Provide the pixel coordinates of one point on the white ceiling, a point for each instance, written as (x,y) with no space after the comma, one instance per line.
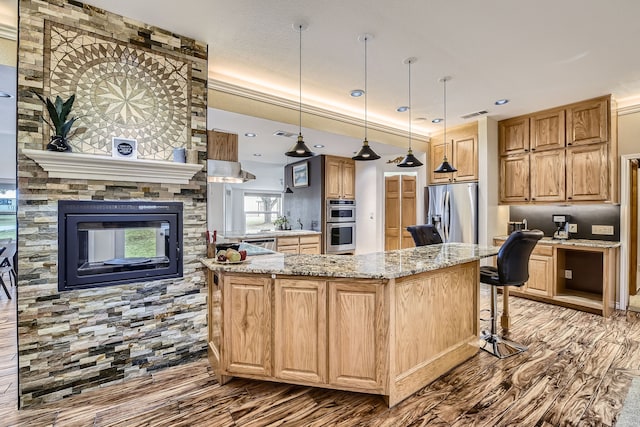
(538,54)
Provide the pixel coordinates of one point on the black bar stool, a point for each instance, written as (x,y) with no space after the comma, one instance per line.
(424,234)
(512,270)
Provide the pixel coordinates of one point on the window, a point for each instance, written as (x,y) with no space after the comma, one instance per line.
(260,210)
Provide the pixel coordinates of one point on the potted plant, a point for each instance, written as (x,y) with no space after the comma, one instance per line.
(58,113)
(281,222)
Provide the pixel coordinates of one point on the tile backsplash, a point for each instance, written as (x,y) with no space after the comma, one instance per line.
(585,216)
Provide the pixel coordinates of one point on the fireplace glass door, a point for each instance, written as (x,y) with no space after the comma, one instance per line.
(119,246)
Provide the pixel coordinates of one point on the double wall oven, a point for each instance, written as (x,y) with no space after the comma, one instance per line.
(340,226)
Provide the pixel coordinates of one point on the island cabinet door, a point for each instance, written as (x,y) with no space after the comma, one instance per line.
(356,335)
(247,325)
(300,350)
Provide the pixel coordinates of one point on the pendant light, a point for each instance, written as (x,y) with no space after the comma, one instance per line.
(445,167)
(365,153)
(410,161)
(299,149)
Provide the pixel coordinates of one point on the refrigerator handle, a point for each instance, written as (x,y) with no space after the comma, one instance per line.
(447,209)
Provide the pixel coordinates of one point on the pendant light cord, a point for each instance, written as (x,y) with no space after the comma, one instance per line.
(444,81)
(410,105)
(300,81)
(365,87)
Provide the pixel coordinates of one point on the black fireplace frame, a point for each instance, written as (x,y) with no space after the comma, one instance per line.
(73,212)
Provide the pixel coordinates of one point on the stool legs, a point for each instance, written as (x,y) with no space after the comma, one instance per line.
(491,341)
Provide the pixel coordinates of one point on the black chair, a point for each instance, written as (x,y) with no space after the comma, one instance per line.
(424,234)
(512,270)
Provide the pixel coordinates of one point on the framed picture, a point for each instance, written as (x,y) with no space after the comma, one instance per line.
(301,175)
(124,148)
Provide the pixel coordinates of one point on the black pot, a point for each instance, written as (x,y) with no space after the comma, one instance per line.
(225,246)
(58,143)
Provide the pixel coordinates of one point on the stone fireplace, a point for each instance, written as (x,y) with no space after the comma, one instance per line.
(80,338)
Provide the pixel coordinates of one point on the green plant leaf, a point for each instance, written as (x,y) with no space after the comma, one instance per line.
(64,130)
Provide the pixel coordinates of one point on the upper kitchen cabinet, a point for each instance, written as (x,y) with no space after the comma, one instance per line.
(547,130)
(588,122)
(340,178)
(462,153)
(514,136)
(569,154)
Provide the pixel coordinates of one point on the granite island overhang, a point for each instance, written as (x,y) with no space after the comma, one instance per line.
(385,323)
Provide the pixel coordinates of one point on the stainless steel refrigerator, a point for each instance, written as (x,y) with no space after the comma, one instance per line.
(453,210)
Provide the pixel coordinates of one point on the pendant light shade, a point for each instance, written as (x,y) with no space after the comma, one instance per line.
(299,149)
(445,166)
(410,161)
(366,152)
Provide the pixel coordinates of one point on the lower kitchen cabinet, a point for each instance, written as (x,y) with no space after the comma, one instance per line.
(300,310)
(540,272)
(247,314)
(303,244)
(580,275)
(354,335)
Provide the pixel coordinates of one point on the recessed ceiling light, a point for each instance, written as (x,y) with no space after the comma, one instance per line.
(501,101)
(420,119)
(357,93)
(438,120)
(257,155)
(318,146)
(4,94)
(250,134)
(402,109)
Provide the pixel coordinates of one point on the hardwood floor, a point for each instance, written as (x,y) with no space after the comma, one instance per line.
(577,371)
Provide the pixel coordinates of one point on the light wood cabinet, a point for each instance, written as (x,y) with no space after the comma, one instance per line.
(579,277)
(340,178)
(588,122)
(247,316)
(513,136)
(514,182)
(546,173)
(547,130)
(540,272)
(303,244)
(400,211)
(568,156)
(355,356)
(587,169)
(462,153)
(300,330)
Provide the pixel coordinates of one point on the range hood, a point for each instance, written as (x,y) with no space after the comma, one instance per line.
(227,172)
(222,162)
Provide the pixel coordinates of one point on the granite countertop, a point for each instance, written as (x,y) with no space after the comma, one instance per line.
(588,243)
(378,265)
(267,234)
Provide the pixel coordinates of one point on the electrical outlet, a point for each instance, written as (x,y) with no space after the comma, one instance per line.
(573,228)
(606,230)
(568,274)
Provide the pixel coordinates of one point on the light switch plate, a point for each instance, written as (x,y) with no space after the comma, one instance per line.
(573,228)
(606,230)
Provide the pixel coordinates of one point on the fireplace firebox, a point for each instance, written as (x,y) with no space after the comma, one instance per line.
(103,243)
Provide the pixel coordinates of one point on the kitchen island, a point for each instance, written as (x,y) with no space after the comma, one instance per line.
(386,323)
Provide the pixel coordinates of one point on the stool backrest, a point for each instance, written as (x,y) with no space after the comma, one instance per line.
(513,257)
(424,234)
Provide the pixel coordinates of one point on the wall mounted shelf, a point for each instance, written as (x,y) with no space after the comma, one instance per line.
(94,167)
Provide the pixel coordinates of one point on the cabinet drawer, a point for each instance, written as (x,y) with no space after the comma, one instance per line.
(544,250)
(309,240)
(285,241)
(288,249)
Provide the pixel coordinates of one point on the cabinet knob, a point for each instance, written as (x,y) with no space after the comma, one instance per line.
(526,150)
(569,197)
(569,143)
(533,198)
(533,149)
(526,198)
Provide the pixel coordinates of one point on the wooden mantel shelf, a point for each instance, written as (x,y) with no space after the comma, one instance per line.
(95,167)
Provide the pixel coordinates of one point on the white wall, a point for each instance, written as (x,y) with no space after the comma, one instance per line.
(492,218)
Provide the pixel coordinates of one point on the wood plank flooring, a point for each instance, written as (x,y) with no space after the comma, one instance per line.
(576,372)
